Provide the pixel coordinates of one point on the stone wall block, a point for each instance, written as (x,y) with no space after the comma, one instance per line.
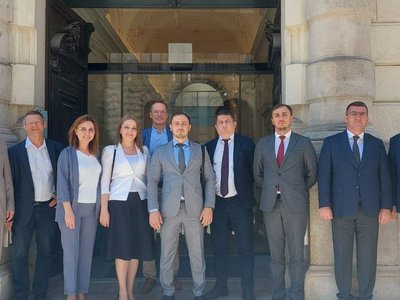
(5,82)
(388,10)
(387,83)
(385,43)
(345,77)
(6,8)
(363,7)
(4,43)
(23,84)
(23,45)
(24,12)
(339,35)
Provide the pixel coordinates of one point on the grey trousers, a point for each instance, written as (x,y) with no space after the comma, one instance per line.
(78,249)
(286,227)
(365,230)
(194,235)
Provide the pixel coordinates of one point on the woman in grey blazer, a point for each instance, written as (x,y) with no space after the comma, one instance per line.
(124,205)
(78,195)
(6,193)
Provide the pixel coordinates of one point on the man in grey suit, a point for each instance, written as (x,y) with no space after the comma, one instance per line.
(285,166)
(180,164)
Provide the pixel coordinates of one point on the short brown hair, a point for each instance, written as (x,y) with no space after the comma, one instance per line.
(138,139)
(282,105)
(73,139)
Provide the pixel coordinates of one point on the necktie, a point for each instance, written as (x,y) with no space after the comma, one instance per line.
(225,169)
(281,151)
(356,150)
(181,158)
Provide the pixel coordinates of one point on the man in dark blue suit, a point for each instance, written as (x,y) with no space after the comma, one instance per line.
(33,165)
(394,159)
(355,193)
(232,158)
(156,135)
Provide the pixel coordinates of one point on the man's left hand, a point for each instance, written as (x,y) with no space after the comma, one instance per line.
(206,216)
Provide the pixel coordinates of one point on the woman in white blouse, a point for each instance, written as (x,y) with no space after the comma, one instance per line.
(124,205)
(78,198)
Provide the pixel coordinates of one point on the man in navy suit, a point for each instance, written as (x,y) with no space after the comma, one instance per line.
(394,159)
(355,193)
(33,165)
(156,135)
(233,204)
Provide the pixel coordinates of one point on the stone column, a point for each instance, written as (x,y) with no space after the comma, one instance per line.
(340,70)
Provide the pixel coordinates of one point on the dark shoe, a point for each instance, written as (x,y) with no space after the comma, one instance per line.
(148,285)
(177,284)
(202,297)
(165,297)
(216,292)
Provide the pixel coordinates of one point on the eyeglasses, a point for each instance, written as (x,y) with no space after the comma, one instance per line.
(31,123)
(226,122)
(357,114)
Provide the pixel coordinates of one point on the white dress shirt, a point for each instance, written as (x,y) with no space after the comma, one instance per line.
(41,170)
(89,173)
(360,142)
(285,142)
(219,151)
(119,186)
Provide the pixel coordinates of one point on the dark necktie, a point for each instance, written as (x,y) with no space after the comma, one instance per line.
(225,169)
(181,158)
(356,150)
(281,151)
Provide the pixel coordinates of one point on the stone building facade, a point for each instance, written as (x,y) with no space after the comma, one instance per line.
(333,52)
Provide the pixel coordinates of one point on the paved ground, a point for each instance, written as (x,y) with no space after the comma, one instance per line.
(108,289)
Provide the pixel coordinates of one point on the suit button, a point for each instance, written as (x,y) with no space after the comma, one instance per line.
(279,174)
(357,187)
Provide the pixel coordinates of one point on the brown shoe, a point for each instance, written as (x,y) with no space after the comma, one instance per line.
(177,284)
(148,285)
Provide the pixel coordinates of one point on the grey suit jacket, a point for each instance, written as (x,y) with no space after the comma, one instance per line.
(163,165)
(297,174)
(6,186)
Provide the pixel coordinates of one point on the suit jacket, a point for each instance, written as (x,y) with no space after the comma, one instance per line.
(394,159)
(24,194)
(6,186)
(297,174)
(341,182)
(243,154)
(146,135)
(163,165)
(68,183)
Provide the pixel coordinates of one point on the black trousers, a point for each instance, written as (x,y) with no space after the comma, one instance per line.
(43,222)
(230,214)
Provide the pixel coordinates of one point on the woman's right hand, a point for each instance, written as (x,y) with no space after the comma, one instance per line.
(105,217)
(70,219)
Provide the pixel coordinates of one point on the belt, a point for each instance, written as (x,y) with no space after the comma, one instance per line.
(278,196)
(227,199)
(36,203)
(182,201)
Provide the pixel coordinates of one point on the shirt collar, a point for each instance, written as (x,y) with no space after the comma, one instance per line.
(29,144)
(164,130)
(186,143)
(231,139)
(287,135)
(350,135)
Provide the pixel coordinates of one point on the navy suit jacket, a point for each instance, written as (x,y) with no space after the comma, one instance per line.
(341,181)
(243,153)
(146,135)
(24,193)
(394,159)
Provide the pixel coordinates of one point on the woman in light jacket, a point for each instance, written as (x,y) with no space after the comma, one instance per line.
(124,205)
(78,204)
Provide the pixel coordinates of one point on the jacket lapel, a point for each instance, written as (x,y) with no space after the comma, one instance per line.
(345,144)
(237,144)
(171,156)
(25,162)
(367,149)
(292,143)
